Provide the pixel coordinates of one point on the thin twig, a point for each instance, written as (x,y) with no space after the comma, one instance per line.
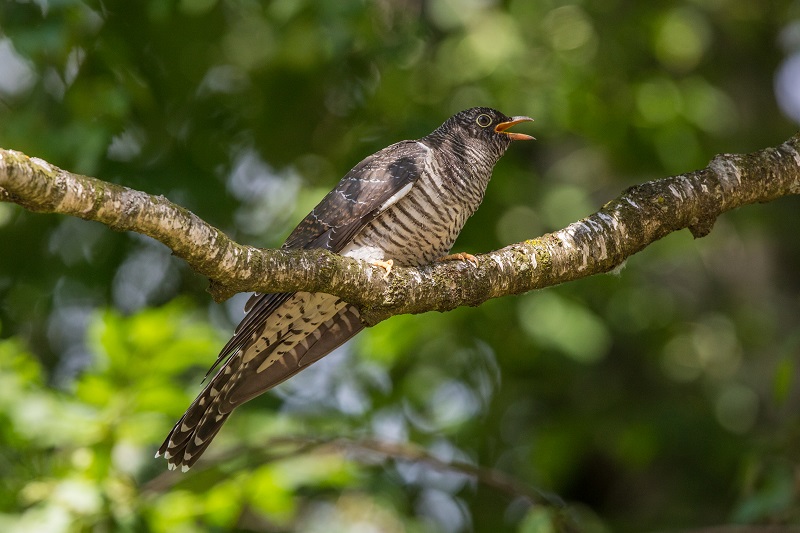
(364,450)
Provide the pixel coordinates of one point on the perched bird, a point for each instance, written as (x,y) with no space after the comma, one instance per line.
(404,205)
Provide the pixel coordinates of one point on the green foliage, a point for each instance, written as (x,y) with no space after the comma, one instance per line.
(83,458)
(79,452)
(661,398)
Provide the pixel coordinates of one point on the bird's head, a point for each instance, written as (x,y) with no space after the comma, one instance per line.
(483,124)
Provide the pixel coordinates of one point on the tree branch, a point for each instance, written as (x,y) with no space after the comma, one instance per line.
(370,451)
(598,243)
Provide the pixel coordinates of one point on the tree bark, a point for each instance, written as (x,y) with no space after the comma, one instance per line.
(598,243)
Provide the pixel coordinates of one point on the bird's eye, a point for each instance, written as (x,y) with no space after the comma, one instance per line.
(483,120)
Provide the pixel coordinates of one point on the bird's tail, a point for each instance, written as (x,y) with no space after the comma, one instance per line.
(195,430)
(265,361)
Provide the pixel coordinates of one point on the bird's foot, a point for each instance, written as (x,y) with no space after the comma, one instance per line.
(386,265)
(461,256)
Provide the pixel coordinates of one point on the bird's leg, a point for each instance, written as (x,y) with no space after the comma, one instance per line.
(460,256)
(386,265)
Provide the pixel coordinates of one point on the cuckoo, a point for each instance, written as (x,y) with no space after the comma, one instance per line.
(404,205)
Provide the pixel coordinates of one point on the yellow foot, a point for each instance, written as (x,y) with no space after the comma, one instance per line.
(386,265)
(461,256)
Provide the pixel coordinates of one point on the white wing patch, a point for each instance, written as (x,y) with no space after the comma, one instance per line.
(404,191)
(393,199)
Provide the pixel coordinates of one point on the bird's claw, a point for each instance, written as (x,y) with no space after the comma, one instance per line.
(461,256)
(386,265)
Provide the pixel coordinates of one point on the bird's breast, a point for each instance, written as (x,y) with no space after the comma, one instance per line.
(422,226)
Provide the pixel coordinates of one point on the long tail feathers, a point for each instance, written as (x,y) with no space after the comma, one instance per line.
(286,344)
(192,434)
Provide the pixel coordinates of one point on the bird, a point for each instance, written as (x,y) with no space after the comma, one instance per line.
(403,205)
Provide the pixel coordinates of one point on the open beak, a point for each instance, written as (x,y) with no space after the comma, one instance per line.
(503,126)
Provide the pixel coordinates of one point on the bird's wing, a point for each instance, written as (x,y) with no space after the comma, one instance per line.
(365,192)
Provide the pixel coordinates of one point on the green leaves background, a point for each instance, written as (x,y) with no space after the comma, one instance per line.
(662,398)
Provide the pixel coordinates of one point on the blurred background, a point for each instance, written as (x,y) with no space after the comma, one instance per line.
(664,398)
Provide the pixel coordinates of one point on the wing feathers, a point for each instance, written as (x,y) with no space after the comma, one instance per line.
(360,196)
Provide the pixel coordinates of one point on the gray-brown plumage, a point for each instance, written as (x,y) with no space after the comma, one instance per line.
(407,204)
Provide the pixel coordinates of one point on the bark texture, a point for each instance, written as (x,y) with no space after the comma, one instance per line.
(598,243)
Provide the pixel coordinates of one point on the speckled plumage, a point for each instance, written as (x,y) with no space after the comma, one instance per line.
(406,203)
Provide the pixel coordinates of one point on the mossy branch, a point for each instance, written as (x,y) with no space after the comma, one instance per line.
(596,244)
